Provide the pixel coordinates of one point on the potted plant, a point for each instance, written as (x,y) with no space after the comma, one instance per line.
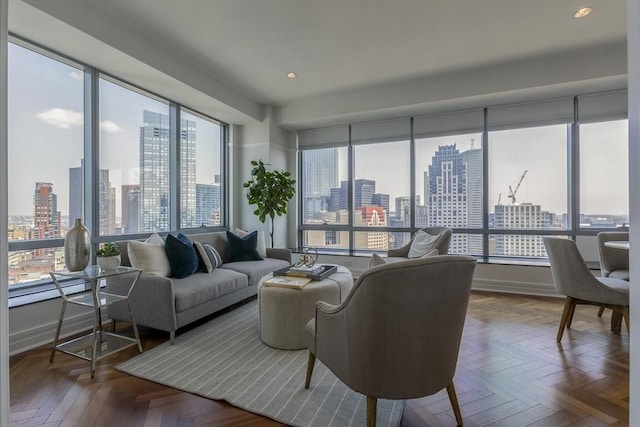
(270,191)
(108,256)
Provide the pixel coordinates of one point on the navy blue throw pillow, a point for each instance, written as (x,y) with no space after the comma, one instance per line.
(182,256)
(242,248)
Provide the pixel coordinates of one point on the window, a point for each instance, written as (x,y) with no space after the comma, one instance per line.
(200,167)
(528,178)
(501,177)
(325,197)
(138,172)
(604,184)
(45,135)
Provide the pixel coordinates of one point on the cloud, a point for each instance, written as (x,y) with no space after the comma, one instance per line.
(109,126)
(59,117)
(77,75)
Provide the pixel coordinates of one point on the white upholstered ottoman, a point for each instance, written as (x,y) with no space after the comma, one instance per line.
(284,312)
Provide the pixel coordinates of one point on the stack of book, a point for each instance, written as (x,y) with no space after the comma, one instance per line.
(287,282)
(317,272)
(304,271)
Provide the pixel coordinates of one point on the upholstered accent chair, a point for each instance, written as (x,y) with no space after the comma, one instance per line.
(397,335)
(442,241)
(572,278)
(613,262)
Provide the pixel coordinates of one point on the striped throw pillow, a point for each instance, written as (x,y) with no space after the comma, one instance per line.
(209,257)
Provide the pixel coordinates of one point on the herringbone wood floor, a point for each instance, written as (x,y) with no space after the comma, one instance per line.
(510,372)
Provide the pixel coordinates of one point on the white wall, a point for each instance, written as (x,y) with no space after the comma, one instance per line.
(4,272)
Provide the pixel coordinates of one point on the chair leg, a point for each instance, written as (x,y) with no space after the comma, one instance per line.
(625,316)
(601,311)
(310,362)
(372,404)
(453,397)
(616,321)
(568,304)
(571,313)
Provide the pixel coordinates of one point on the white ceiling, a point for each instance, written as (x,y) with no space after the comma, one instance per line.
(335,46)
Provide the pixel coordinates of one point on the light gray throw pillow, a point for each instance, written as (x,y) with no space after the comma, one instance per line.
(422,244)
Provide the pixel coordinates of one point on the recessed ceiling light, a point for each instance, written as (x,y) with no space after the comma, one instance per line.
(581,13)
(291,75)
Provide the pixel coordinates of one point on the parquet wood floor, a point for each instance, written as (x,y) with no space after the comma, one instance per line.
(510,373)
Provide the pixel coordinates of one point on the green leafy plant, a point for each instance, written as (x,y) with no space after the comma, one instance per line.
(108,249)
(270,191)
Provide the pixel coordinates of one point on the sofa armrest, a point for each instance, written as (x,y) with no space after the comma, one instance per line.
(152,301)
(279,253)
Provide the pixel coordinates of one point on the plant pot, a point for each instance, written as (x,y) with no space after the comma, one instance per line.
(108,262)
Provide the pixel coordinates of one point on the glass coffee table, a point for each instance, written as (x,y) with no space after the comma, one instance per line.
(98,343)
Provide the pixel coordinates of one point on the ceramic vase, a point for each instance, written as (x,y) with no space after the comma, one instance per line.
(77,247)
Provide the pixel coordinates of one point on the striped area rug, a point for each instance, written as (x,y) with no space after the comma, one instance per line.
(224,359)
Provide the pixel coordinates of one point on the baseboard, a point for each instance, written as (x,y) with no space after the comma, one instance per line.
(505,286)
(511,287)
(29,339)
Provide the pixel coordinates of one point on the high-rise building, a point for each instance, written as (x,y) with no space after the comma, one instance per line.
(46,216)
(207,204)
(153,213)
(363,190)
(188,202)
(520,216)
(474,187)
(320,177)
(380,199)
(155,143)
(106,211)
(371,216)
(450,180)
(403,208)
(130,201)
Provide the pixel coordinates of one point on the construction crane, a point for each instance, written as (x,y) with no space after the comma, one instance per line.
(512,193)
(499,198)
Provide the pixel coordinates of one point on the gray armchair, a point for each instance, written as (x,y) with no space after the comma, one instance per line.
(442,245)
(572,278)
(387,339)
(613,262)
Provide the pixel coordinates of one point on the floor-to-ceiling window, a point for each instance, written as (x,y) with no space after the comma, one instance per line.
(501,177)
(87,145)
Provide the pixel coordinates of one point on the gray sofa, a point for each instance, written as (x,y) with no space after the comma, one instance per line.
(167,303)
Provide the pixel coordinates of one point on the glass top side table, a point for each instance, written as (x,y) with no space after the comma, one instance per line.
(98,343)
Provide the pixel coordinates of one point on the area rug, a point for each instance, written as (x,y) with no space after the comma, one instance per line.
(224,359)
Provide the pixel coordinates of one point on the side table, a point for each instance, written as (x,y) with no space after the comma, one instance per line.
(98,343)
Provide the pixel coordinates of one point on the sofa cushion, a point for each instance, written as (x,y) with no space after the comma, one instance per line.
(242,248)
(200,288)
(183,258)
(261,246)
(255,270)
(149,256)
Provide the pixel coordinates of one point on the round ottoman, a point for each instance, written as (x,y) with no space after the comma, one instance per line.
(284,312)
